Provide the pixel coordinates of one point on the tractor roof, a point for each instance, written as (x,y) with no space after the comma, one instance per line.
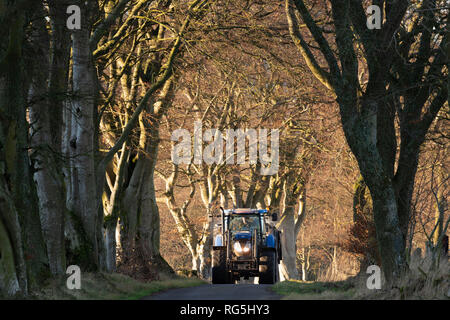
(245,211)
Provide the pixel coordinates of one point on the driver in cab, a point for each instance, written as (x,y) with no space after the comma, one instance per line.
(245,223)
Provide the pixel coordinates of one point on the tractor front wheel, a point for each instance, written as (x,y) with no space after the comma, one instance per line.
(220,273)
(268,267)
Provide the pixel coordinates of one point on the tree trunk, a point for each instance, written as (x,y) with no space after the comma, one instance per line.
(149,222)
(361,134)
(49,189)
(288,266)
(16,156)
(84,198)
(305,255)
(13,272)
(140,214)
(130,208)
(294,194)
(363,229)
(204,249)
(46,120)
(9,285)
(112,207)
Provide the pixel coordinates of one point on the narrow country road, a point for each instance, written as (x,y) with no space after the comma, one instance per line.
(219,292)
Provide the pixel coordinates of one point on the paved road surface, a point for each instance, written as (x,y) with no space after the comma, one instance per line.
(219,292)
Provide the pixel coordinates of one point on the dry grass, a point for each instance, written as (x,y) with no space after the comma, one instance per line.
(422,282)
(309,290)
(104,286)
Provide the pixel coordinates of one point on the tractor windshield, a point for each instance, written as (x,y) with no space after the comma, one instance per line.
(244,223)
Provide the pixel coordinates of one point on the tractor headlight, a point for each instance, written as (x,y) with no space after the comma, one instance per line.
(241,248)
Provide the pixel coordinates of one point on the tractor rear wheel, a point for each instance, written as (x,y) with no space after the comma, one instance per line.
(220,273)
(268,267)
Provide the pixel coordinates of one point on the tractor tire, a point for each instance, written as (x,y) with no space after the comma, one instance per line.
(220,274)
(268,267)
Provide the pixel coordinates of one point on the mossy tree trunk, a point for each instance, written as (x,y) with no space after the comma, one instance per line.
(16,144)
(13,271)
(9,284)
(48,91)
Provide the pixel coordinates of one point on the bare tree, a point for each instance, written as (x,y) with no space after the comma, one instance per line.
(368,104)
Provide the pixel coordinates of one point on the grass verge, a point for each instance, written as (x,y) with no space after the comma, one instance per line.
(424,280)
(111,286)
(306,290)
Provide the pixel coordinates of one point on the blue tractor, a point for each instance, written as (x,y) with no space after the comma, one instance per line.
(247,244)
